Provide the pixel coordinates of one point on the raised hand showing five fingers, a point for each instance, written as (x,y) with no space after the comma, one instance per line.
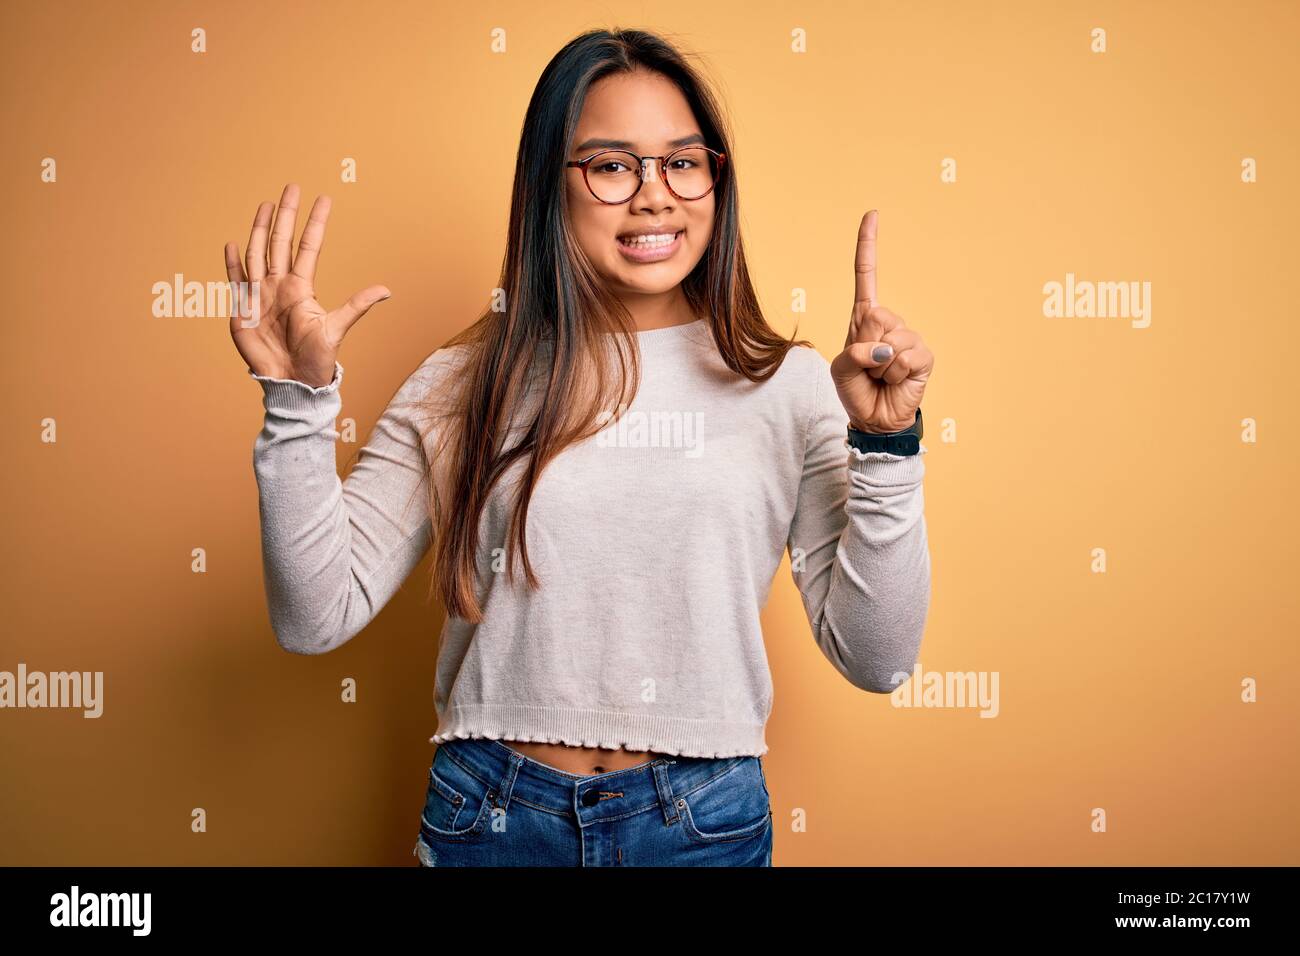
(277,325)
(881,374)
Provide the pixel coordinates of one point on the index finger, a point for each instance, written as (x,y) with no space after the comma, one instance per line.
(864,264)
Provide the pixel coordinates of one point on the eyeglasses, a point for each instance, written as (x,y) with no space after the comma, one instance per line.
(614,176)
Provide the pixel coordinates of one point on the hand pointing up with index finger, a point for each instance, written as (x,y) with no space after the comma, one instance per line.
(864,262)
(881,374)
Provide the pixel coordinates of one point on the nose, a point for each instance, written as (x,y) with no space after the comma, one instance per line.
(653,193)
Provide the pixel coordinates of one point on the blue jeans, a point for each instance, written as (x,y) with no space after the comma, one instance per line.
(489,805)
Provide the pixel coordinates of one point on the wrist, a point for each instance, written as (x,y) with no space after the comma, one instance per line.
(863,427)
(866,429)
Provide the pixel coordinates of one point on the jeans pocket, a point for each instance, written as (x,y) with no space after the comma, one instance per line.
(733,805)
(457,805)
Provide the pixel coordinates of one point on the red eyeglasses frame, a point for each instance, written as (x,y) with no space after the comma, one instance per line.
(663,172)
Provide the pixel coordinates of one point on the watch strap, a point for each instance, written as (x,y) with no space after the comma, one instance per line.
(905,442)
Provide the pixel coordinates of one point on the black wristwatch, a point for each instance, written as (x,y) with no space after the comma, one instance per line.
(906,442)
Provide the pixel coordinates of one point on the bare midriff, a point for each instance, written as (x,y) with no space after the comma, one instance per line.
(584,761)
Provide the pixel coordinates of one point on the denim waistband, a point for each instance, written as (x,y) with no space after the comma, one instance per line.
(510,775)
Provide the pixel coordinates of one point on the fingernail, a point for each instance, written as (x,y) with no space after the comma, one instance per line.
(881,352)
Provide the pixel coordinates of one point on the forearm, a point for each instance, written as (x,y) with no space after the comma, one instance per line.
(868,589)
(333,551)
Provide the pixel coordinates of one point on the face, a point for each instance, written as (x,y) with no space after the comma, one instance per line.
(647,112)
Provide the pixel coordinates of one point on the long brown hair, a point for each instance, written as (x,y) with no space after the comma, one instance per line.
(550,337)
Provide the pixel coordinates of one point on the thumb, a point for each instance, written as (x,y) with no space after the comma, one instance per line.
(848,365)
(871,354)
(346,315)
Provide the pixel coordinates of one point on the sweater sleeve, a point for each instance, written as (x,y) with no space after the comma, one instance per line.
(334,552)
(858,549)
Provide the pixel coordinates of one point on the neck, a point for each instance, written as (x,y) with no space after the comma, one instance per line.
(659,310)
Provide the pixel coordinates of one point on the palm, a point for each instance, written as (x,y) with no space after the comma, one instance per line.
(287,331)
(879,395)
(279,328)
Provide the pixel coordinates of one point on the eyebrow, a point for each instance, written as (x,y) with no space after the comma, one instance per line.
(598,143)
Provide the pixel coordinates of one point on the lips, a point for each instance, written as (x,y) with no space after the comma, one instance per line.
(652,248)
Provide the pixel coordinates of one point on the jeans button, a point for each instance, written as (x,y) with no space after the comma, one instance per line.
(590,798)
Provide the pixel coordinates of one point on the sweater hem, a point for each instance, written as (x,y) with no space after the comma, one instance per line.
(677,736)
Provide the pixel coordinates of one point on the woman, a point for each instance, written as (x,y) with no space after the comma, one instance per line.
(609,464)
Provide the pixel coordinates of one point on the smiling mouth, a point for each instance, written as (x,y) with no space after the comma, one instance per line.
(661,241)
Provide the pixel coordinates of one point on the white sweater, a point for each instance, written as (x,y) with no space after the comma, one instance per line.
(656,543)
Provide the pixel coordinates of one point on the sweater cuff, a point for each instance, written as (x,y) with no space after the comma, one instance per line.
(885,468)
(290,395)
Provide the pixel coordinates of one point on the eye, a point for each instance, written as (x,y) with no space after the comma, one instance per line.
(606,167)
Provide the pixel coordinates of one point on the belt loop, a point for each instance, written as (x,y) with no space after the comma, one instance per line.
(662,784)
(506,785)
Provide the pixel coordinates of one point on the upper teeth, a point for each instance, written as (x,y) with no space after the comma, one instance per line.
(651,240)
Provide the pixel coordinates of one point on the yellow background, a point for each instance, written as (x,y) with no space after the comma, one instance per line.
(1118,690)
